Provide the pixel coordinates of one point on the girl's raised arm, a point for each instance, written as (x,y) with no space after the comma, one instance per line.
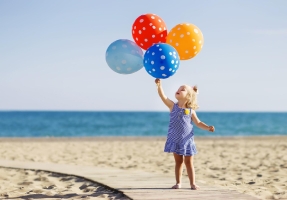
(169,103)
(200,124)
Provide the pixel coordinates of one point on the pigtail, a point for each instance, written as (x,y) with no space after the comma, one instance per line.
(195,89)
(192,102)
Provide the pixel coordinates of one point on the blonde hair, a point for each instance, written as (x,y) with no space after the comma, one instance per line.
(192,98)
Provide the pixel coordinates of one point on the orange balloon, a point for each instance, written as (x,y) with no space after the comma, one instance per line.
(187,39)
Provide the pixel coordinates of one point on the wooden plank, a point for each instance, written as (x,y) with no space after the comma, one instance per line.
(135,184)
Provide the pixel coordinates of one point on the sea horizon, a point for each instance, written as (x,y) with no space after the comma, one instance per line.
(134,123)
(151,111)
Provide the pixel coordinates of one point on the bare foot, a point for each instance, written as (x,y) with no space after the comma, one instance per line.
(194,187)
(176,186)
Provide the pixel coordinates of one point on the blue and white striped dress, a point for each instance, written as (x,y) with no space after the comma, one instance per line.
(180,133)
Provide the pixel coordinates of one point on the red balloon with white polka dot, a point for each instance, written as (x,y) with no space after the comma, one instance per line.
(149,29)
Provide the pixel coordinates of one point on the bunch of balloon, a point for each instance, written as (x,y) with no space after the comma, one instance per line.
(163,50)
(160,59)
(125,56)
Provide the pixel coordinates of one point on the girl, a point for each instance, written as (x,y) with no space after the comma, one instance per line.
(180,139)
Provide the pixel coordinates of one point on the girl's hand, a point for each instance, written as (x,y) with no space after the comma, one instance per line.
(157,81)
(211,128)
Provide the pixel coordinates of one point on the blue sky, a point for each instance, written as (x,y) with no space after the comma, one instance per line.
(52,55)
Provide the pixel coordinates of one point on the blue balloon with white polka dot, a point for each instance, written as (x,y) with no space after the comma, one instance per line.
(124,56)
(161,60)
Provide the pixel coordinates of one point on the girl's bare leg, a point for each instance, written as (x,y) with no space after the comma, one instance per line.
(188,161)
(178,170)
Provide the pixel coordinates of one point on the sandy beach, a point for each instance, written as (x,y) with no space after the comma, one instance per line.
(253,165)
(35,184)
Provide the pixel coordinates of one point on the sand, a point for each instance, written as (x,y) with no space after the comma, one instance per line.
(253,165)
(35,184)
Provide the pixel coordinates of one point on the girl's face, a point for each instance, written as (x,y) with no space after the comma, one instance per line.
(181,93)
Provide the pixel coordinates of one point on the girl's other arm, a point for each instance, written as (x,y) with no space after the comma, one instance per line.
(164,98)
(200,124)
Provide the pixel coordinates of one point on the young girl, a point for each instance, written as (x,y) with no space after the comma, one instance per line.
(180,139)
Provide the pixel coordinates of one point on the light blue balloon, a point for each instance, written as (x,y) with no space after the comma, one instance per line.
(124,56)
(161,60)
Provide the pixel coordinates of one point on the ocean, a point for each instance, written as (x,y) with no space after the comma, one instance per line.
(87,124)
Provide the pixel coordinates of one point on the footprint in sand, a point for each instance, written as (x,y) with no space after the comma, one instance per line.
(83,186)
(5,194)
(41,179)
(37,191)
(49,187)
(89,189)
(25,183)
(66,179)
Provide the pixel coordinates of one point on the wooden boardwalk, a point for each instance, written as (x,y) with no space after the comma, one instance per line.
(134,184)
